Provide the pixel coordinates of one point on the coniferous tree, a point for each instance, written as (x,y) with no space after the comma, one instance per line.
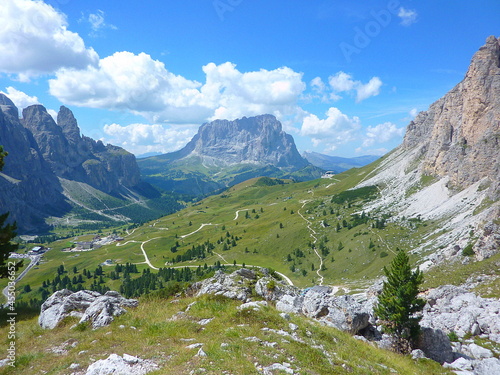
(398,304)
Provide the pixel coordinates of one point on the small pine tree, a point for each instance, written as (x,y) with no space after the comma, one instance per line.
(398,303)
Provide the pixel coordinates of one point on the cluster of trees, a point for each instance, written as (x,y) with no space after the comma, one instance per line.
(229,241)
(196,251)
(170,279)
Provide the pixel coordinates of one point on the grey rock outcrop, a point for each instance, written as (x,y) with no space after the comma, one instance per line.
(235,286)
(99,310)
(454,309)
(463,366)
(342,312)
(121,365)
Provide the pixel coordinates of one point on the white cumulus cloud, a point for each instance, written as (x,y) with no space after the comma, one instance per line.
(372,88)
(382,133)
(344,82)
(20,99)
(142,85)
(35,40)
(144,138)
(337,128)
(408,16)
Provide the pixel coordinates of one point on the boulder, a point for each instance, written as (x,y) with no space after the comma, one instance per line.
(272,290)
(87,305)
(342,312)
(104,308)
(462,364)
(487,366)
(236,285)
(476,351)
(117,365)
(436,345)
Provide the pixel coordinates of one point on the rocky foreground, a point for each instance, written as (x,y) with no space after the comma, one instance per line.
(451,312)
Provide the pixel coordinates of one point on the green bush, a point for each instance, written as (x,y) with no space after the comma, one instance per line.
(467,251)
(453,336)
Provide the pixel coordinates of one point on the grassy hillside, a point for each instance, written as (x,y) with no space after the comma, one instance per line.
(313,232)
(191,175)
(235,342)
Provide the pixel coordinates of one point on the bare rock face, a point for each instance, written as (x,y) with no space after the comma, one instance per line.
(460,133)
(75,157)
(29,189)
(258,140)
(99,310)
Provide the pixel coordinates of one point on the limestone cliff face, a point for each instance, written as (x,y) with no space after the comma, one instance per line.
(457,142)
(75,157)
(459,136)
(29,189)
(42,152)
(258,140)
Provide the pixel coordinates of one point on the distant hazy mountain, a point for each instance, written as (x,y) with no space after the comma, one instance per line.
(147,155)
(224,153)
(337,164)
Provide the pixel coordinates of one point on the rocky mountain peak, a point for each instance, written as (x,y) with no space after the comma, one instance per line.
(8,107)
(67,121)
(459,134)
(255,140)
(36,116)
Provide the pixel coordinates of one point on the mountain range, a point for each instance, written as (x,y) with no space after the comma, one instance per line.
(325,244)
(224,153)
(53,173)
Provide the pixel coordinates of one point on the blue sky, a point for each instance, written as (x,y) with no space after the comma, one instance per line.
(344,77)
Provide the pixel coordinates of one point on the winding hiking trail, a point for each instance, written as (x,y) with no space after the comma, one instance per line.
(220,256)
(226,263)
(237,213)
(383,241)
(201,226)
(312,234)
(146,255)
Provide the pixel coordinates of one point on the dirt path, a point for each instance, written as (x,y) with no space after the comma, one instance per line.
(312,234)
(201,226)
(220,256)
(146,255)
(383,241)
(237,213)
